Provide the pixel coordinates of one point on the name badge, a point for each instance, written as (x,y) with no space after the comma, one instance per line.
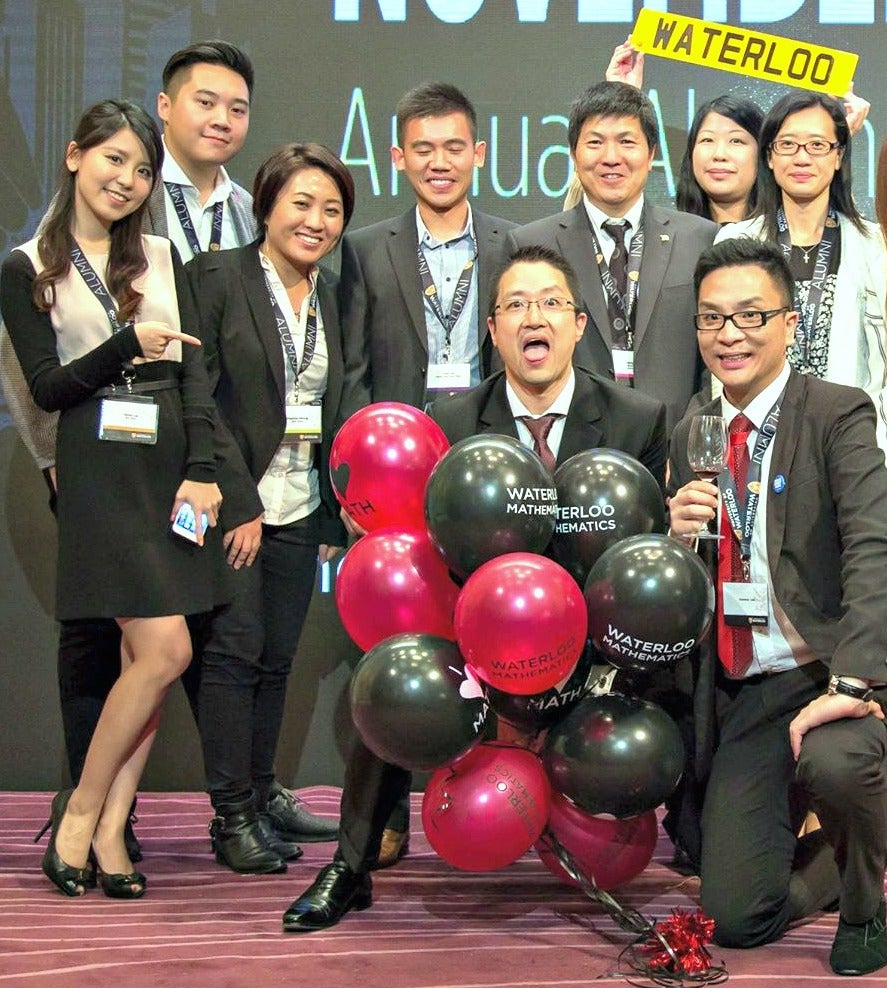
(129,419)
(449,377)
(746,605)
(303,424)
(623,364)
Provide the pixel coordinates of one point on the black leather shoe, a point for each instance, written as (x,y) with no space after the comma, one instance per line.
(860,948)
(133,847)
(292,821)
(285,848)
(238,841)
(336,890)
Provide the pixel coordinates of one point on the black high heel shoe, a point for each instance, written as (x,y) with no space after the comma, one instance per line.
(66,879)
(120,886)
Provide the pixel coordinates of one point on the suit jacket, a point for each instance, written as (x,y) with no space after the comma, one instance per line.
(246,370)
(240,202)
(826,535)
(383,316)
(667,365)
(601,414)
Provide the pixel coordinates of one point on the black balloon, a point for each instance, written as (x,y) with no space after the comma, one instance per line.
(412,703)
(539,710)
(650,602)
(489,495)
(615,754)
(603,496)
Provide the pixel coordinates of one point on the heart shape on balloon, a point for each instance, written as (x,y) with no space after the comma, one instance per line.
(340,475)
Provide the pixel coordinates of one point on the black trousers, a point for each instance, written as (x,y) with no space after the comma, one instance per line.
(757,877)
(375,795)
(247,659)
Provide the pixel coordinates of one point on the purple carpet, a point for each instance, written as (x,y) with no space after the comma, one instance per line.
(430,926)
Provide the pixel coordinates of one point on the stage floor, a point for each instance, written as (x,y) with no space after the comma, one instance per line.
(431,926)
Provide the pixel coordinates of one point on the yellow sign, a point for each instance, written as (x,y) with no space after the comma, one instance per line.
(750,53)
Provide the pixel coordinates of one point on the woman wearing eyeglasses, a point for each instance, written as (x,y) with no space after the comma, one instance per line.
(837,258)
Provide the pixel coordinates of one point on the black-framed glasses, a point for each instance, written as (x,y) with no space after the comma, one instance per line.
(815,148)
(711,322)
(549,304)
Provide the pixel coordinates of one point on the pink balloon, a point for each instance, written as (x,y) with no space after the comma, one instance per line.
(521,623)
(391,582)
(486,809)
(607,851)
(380,462)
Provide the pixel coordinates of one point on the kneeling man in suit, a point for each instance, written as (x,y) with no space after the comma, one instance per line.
(785,715)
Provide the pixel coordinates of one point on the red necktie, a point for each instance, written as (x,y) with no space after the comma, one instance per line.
(734,644)
(539,429)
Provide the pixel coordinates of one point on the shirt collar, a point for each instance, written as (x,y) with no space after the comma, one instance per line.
(757,409)
(427,239)
(560,405)
(269,269)
(598,217)
(172,171)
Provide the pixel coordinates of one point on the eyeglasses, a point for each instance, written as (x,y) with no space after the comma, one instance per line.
(711,322)
(547,305)
(815,149)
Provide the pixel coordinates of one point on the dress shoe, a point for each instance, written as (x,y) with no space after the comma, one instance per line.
(285,848)
(336,890)
(860,948)
(238,841)
(120,886)
(292,821)
(395,845)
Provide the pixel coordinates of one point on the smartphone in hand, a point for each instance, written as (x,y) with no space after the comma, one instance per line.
(185,524)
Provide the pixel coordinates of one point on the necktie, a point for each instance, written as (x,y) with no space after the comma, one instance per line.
(539,429)
(618,265)
(734,644)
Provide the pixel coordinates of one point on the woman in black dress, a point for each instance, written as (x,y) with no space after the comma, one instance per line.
(96,313)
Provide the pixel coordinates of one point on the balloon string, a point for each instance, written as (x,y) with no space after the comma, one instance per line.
(629,920)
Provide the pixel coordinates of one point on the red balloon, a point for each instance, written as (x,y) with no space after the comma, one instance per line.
(608,852)
(393,582)
(488,808)
(380,462)
(521,623)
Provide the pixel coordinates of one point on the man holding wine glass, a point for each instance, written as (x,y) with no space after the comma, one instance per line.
(787,694)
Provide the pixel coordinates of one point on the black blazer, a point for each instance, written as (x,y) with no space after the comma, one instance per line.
(667,365)
(601,414)
(383,316)
(245,362)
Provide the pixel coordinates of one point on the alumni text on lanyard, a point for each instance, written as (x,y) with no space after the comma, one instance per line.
(177,194)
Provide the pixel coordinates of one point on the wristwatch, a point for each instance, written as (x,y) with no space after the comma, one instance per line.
(837,684)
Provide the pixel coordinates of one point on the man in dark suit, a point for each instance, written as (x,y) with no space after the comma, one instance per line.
(412,292)
(783,710)
(413,287)
(535,321)
(634,259)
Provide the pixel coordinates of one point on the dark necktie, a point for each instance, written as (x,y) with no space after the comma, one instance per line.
(618,265)
(539,429)
(734,644)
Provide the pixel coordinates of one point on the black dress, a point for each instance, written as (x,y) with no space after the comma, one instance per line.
(117,555)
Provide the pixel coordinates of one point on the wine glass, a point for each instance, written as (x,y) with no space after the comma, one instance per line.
(707,451)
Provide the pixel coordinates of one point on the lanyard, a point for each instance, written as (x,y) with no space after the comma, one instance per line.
(623,304)
(286,337)
(460,295)
(177,194)
(742,516)
(824,265)
(95,285)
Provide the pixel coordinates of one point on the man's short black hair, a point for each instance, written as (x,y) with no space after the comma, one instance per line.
(212,52)
(433,99)
(740,252)
(537,254)
(613,99)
